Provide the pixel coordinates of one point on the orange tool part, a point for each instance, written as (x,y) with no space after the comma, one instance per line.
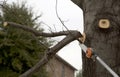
(89,52)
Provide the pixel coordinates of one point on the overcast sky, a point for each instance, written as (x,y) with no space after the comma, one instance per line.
(72,17)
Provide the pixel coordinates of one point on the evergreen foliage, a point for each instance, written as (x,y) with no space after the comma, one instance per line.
(19,50)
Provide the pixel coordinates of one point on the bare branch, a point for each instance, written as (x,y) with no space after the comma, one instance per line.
(50,53)
(55,28)
(37,17)
(70,36)
(59,17)
(35,32)
(50,29)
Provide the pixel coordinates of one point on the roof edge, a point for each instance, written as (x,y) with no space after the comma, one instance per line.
(64,61)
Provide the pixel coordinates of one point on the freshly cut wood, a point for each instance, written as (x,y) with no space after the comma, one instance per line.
(104,23)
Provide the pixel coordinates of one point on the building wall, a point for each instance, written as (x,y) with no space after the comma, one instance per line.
(57,68)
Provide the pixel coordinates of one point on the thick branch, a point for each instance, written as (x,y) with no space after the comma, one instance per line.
(50,53)
(70,36)
(35,32)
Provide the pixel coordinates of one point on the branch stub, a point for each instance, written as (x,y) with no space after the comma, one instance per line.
(82,39)
(5,24)
(104,23)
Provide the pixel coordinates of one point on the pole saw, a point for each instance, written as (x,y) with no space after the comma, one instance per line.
(89,54)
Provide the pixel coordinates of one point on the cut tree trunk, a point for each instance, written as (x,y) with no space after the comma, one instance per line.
(102,28)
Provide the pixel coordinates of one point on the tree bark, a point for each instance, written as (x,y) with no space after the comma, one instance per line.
(104,41)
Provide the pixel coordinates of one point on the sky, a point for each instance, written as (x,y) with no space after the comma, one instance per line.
(72,17)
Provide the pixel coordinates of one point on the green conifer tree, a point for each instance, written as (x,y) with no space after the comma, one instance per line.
(19,50)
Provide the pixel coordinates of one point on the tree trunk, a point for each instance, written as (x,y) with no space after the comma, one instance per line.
(104,40)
